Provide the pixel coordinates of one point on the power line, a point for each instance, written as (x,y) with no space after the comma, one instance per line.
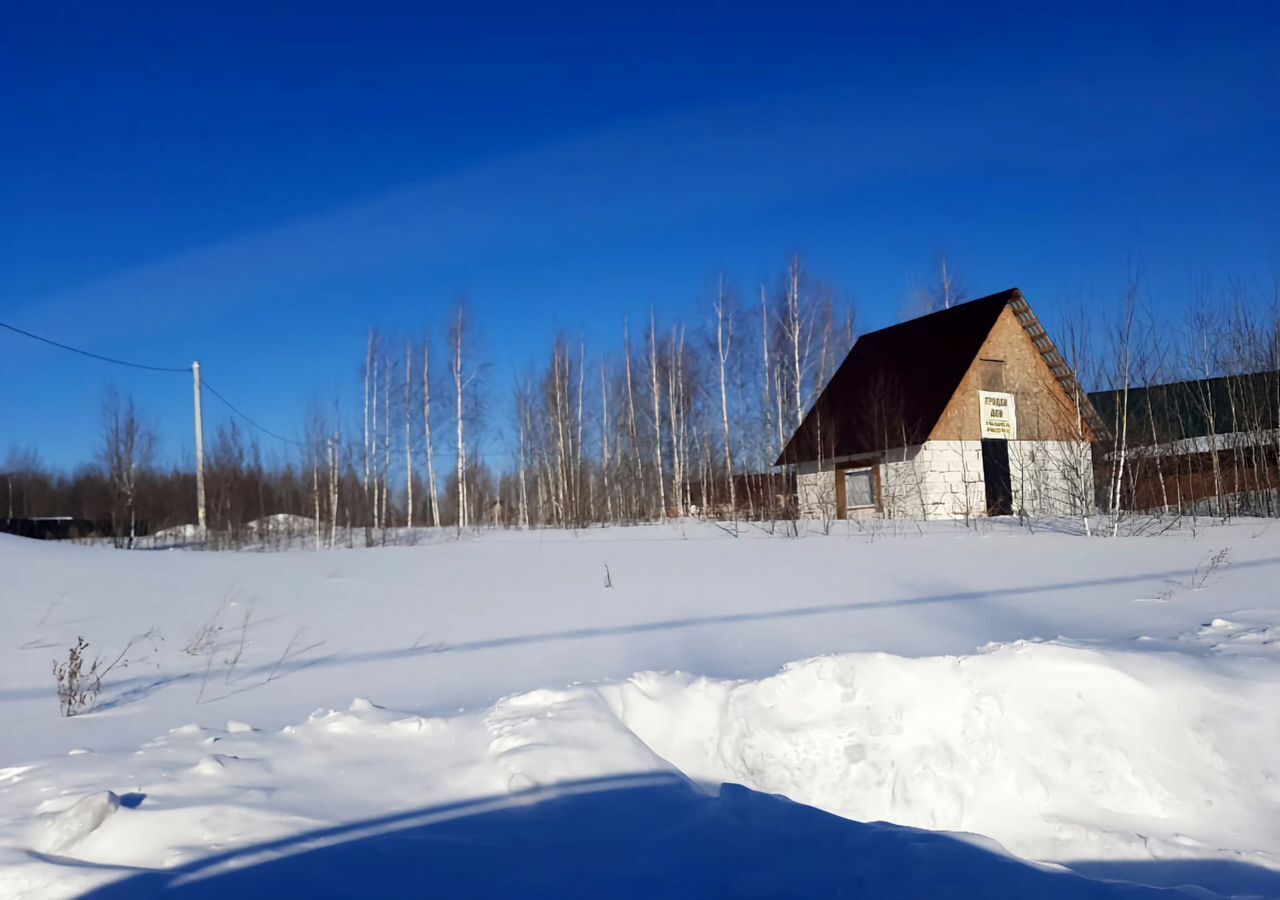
(132,365)
(98,356)
(231,406)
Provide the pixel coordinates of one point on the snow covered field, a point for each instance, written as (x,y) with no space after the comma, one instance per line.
(554,713)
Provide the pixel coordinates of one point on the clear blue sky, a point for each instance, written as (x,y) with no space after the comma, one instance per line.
(254,185)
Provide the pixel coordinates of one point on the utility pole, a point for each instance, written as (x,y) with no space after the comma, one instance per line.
(195,372)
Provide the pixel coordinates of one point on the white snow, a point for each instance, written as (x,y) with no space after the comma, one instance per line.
(488,714)
(63,831)
(1057,752)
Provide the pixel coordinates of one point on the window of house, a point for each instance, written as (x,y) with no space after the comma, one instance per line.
(991,374)
(859,490)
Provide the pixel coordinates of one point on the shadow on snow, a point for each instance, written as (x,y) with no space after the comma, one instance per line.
(135,688)
(640,836)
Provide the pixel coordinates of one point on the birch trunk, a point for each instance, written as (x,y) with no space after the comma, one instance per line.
(657,415)
(794,318)
(432,497)
(722,351)
(459,385)
(368,371)
(386,443)
(408,435)
(631,422)
(604,443)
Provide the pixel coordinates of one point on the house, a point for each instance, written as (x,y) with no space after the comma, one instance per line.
(966,411)
(1210,445)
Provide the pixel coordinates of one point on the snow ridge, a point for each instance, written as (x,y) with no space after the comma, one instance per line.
(1053,751)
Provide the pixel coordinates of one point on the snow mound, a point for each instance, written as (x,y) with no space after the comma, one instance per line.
(62,831)
(549,737)
(1061,754)
(1057,752)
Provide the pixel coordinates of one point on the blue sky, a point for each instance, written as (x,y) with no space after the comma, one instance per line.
(255,185)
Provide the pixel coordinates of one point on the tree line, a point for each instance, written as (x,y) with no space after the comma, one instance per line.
(678,417)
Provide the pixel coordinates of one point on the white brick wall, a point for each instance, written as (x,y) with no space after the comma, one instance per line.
(1051,478)
(816,493)
(935,480)
(944,480)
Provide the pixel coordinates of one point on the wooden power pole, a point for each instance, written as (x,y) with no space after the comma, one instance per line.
(195,372)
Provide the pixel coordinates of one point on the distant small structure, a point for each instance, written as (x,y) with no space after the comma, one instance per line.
(496,513)
(50,528)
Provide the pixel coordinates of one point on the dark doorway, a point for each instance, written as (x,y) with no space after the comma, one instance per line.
(995,473)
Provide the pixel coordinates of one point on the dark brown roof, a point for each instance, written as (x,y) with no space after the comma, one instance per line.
(895,383)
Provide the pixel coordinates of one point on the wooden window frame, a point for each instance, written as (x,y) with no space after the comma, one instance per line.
(842,501)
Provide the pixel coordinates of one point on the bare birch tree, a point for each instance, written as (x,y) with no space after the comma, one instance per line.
(408,434)
(724,342)
(433,500)
(657,415)
(466,404)
(127,450)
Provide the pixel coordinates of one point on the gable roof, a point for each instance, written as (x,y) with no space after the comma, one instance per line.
(896,382)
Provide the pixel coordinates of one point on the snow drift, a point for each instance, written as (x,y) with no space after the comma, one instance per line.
(1056,752)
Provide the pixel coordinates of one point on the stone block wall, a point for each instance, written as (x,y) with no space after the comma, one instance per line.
(935,480)
(944,480)
(1051,478)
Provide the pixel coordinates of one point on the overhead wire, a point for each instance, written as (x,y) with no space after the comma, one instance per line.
(149,368)
(236,411)
(91,355)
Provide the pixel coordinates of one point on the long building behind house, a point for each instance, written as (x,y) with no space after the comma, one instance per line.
(1209,445)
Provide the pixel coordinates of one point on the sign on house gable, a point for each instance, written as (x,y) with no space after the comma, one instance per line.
(999,415)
